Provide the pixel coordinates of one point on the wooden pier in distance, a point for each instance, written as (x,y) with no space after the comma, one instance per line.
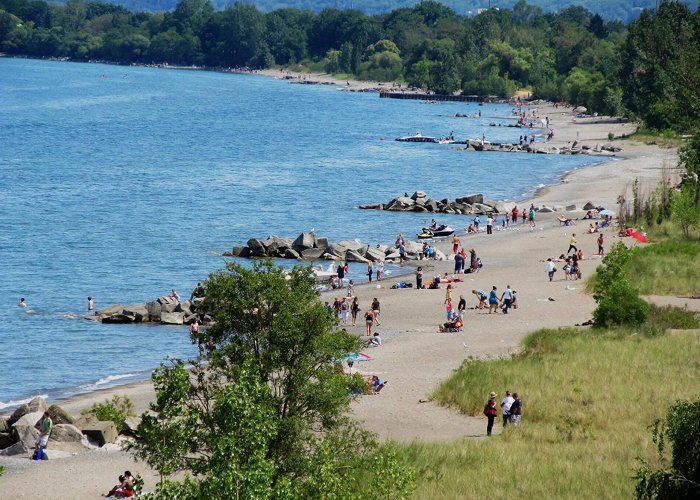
(431,97)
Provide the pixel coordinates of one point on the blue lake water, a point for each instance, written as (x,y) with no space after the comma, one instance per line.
(124,182)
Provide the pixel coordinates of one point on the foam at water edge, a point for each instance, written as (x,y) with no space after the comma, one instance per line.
(12,404)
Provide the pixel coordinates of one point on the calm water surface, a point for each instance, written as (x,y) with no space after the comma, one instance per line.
(122,183)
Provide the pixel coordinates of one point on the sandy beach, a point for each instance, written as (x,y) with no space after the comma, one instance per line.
(414,358)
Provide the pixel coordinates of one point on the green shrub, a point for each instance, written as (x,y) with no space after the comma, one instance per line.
(115,410)
(621,305)
(665,317)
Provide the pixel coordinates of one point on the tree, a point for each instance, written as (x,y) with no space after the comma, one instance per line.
(618,302)
(684,209)
(264,417)
(681,477)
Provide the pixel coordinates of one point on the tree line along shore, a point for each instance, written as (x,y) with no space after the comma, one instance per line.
(647,69)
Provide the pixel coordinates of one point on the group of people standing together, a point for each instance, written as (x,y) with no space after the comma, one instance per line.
(511,410)
(348,308)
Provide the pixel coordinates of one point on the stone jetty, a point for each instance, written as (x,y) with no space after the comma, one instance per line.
(164,310)
(473,204)
(308,246)
(70,434)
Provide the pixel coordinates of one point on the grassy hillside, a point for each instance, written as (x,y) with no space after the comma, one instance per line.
(624,10)
(588,400)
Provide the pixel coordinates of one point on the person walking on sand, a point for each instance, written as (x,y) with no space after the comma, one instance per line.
(419,277)
(491,412)
(354,310)
(448,293)
(515,214)
(455,244)
(376,309)
(516,410)
(507,299)
(344,310)
(506,403)
(370,271)
(601,240)
(531,216)
(551,268)
(572,244)
(493,300)
(369,321)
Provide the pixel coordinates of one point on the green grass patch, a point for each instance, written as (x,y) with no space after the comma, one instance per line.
(588,399)
(670,267)
(663,139)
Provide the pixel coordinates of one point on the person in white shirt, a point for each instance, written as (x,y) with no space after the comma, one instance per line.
(551,268)
(507,299)
(506,403)
(489,225)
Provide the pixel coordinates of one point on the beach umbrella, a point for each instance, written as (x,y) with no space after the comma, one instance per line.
(607,212)
(638,236)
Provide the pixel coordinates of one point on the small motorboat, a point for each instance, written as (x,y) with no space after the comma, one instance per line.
(438,232)
(417,137)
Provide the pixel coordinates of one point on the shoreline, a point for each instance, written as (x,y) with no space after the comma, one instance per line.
(561,193)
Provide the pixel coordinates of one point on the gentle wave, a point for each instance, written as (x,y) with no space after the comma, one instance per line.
(12,404)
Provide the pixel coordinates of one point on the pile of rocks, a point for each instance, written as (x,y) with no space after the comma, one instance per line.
(69,435)
(164,310)
(473,204)
(307,246)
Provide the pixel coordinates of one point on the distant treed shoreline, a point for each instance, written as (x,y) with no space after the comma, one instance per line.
(646,70)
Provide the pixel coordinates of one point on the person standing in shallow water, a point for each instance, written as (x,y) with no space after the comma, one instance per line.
(369,271)
(90,304)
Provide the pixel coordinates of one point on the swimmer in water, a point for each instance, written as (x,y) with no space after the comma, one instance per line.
(22,303)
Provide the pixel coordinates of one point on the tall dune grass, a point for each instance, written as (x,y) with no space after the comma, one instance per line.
(668,268)
(588,399)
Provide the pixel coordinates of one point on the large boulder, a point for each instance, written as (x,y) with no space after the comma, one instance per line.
(25,434)
(312,253)
(138,311)
(167,304)
(290,253)
(431,205)
(589,206)
(570,208)
(6,440)
(480,208)
(100,431)
(174,318)
(322,242)
(18,448)
(354,256)
(59,415)
(418,195)
(471,199)
(504,207)
(304,240)
(374,254)
(418,208)
(131,426)
(544,210)
(67,433)
(337,250)
(371,206)
(353,245)
(405,201)
(257,248)
(110,310)
(154,310)
(38,404)
(239,251)
(119,319)
(21,411)
(30,419)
